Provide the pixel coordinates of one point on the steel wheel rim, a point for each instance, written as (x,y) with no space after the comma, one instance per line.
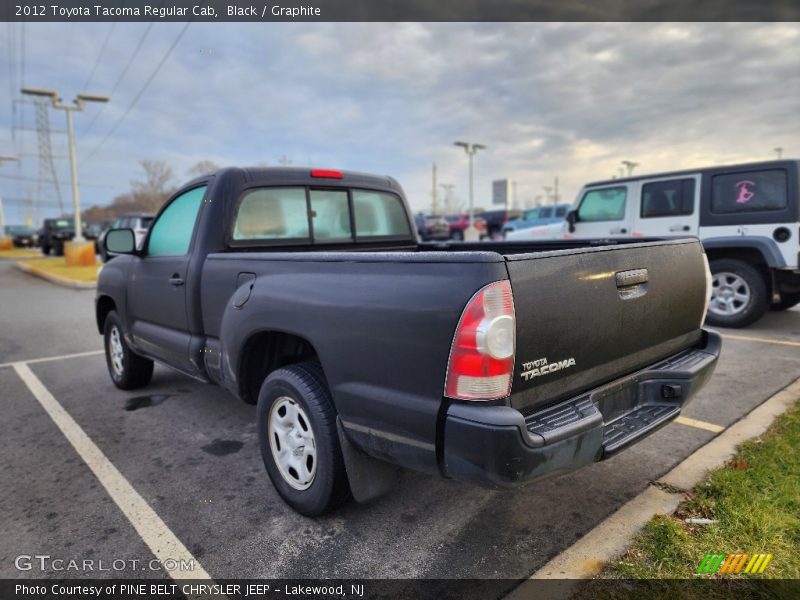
(292,443)
(116,351)
(730,294)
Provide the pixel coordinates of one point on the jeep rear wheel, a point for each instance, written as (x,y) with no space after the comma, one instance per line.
(738,294)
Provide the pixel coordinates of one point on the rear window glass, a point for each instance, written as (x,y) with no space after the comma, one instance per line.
(330,213)
(603,205)
(545,213)
(377,214)
(272,214)
(668,198)
(561,211)
(749,191)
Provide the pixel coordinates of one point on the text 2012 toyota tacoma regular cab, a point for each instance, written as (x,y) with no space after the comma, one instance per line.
(308,293)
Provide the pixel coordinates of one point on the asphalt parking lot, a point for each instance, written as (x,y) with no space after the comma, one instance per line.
(191,452)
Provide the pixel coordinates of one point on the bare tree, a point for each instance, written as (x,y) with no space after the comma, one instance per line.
(202,167)
(156,187)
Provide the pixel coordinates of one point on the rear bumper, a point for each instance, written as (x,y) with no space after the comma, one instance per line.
(496,446)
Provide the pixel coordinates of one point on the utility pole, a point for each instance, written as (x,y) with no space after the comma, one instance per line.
(547,189)
(514,195)
(448,197)
(630,165)
(779,152)
(434,202)
(5,244)
(555,190)
(471,234)
(79,101)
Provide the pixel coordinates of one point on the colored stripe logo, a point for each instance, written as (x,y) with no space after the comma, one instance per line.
(714,562)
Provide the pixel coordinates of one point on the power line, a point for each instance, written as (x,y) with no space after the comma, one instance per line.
(120,78)
(140,93)
(99,56)
(36,179)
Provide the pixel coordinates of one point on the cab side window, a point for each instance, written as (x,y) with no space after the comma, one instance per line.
(668,198)
(172,232)
(606,204)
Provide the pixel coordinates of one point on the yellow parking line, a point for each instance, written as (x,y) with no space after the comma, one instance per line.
(700,424)
(747,338)
(155,533)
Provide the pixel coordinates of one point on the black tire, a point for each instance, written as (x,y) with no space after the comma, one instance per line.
(788,300)
(59,249)
(304,384)
(753,282)
(457,236)
(46,250)
(136,371)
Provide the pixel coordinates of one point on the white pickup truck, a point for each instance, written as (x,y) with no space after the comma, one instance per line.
(747,216)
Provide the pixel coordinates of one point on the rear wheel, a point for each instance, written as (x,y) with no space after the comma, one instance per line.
(128,370)
(298,439)
(738,294)
(788,300)
(458,235)
(46,250)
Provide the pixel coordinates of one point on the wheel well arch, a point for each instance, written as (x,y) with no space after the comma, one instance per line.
(265,351)
(750,255)
(105,304)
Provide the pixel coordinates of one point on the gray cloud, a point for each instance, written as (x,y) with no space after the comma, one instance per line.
(548,99)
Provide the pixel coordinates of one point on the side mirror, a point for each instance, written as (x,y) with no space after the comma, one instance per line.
(572,218)
(121,241)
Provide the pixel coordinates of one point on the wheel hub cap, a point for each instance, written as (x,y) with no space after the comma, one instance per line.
(292,443)
(730,294)
(115,350)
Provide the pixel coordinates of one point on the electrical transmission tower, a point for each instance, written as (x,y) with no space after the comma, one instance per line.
(47,169)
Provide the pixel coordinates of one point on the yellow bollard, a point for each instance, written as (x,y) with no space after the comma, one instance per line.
(79,254)
(6,243)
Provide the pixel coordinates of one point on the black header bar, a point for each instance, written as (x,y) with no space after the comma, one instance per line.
(399,10)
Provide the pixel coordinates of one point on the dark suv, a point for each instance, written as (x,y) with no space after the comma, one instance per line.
(54,233)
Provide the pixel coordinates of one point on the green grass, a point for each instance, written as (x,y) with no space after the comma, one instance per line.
(58,266)
(19,253)
(755,500)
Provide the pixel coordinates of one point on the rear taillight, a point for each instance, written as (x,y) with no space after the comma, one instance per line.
(482,355)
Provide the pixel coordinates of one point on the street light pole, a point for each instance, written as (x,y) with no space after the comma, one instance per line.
(629,164)
(779,152)
(78,105)
(471,149)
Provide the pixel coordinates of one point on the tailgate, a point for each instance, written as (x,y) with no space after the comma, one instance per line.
(589,315)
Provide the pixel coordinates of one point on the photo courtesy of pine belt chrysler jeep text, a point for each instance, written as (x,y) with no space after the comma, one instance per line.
(307,293)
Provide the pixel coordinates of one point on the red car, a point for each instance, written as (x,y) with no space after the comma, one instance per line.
(458,223)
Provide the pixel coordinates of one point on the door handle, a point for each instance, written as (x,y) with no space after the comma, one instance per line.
(176,280)
(619,230)
(680,228)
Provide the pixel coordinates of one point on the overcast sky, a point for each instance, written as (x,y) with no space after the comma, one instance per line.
(571,100)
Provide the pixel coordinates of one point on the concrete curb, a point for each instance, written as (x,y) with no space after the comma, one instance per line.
(68,283)
(610,539)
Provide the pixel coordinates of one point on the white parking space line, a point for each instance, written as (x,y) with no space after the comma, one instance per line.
(747,338)
(700,424)
(49,358)
(155,533)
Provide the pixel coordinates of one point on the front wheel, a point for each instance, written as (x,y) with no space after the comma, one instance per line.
(458,236)
(298,439)
(788,300)
(738,294)
(128,370)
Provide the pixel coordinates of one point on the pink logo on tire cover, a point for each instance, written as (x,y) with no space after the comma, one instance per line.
(745,194)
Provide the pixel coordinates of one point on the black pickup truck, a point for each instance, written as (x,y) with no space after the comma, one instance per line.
(307,293)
